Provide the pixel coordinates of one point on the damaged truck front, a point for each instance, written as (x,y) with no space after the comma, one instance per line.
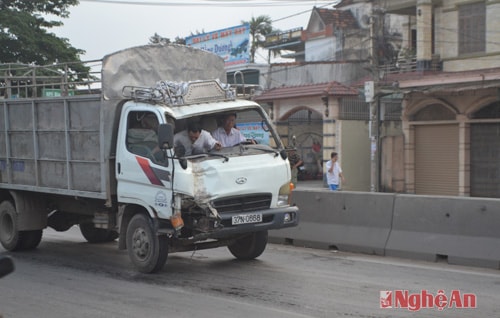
(227,197)
(107,162)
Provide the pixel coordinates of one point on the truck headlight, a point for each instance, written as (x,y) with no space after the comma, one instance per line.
(285,194)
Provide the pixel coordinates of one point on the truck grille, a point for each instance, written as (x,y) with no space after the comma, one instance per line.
(243,203)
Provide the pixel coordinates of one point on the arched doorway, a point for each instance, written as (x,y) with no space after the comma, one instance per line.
(485,152)
(305,133)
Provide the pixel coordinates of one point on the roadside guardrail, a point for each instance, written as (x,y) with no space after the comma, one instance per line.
(461,230)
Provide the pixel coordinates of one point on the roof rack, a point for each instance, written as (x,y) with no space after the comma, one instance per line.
(182,93)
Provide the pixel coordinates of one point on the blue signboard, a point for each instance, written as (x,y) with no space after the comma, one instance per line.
(254,131)
(232,44)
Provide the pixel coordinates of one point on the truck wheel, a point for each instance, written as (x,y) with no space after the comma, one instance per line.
(250,246)
(11,238)
(30,239)
(147,251)
(94,235)
(9,234)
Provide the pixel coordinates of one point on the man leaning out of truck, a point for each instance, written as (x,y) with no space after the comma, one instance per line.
(194,140)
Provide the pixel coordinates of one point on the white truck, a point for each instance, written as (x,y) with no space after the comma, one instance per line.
(89,160)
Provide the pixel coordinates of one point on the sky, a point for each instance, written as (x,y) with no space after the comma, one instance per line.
(101,27)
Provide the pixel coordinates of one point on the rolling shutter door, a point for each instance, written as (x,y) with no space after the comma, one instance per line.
(485,160)
(436,159)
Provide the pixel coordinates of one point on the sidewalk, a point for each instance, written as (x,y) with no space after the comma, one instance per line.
(313,184)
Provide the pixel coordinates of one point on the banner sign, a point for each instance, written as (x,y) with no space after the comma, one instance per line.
(254,131)
(232,44)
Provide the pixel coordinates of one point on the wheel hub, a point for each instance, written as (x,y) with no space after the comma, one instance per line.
(141,243)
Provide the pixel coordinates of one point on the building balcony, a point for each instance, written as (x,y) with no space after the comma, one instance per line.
(410,64)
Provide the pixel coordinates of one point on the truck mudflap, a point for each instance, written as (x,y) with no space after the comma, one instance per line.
(255,221)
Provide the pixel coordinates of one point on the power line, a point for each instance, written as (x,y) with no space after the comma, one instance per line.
(217,3)
(306,11)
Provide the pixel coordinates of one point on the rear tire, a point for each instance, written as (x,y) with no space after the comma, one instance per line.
(94,235)
(10,237)
(9,233)
(147,251)
(30,239)
(250,246)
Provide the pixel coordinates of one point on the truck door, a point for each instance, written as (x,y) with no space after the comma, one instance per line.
(143,175)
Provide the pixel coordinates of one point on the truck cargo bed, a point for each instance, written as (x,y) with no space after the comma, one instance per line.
(56,145)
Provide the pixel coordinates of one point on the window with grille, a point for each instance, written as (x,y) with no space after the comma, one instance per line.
(354,108)
(490,111)
(392,111)
(472,28)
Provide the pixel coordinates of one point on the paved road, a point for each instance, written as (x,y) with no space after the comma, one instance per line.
(67,277)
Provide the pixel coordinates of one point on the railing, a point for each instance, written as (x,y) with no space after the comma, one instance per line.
(62,79)
(410,64)
(402,65)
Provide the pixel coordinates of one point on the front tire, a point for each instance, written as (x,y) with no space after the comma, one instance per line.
(250,246)
(10,237)
(147,251)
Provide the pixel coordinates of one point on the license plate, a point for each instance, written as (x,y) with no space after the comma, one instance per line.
(247,218)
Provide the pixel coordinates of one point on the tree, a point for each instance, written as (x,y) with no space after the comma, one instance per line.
(24,35)
(158,39)
(259,28)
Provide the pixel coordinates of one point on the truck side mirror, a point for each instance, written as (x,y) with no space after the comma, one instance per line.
(283,154)
(165,136)
(6,265)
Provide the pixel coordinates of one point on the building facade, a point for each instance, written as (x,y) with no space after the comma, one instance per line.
(436,68)
(332,51)
(451,116)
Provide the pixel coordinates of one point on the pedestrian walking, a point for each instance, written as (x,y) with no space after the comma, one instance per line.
(334,172)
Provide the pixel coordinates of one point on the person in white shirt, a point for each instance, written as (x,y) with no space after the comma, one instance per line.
(227,134)
(333,172)
(194,140)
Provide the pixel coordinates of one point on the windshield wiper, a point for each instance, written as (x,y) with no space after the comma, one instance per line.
(257,147)
(226,158)
(204,155)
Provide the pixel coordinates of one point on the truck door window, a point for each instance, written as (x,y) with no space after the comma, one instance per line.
(142,138)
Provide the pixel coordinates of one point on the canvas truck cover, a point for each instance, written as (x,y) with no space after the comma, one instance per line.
(144,66)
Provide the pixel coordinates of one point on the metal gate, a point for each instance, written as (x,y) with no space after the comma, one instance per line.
(305,132)
(485,160)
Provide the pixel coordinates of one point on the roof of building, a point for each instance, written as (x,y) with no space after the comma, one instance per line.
(476,77)
(338,18)
(321,89)
(343,3)
(437,80)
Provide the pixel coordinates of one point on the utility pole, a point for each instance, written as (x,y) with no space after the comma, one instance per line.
(373,97)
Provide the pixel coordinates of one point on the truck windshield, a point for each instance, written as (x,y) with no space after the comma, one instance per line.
(224,134)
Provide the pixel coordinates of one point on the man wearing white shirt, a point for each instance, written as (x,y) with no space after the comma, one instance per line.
(333,172)
(194,140)
(227,134)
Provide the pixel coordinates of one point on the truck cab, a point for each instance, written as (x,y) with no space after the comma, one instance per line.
(231,196)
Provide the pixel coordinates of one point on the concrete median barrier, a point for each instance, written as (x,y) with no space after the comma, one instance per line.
(463,231)
(459,230)
(347,221)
